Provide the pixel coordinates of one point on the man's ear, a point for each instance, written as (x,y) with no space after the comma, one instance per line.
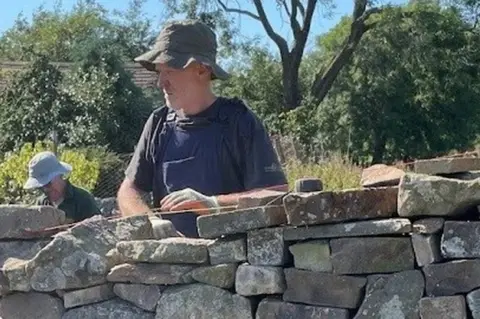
(204,71)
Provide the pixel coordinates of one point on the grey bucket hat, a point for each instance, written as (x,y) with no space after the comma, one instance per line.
(182,42)
(42,168)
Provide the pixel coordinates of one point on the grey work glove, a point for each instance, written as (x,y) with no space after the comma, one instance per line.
(190,199)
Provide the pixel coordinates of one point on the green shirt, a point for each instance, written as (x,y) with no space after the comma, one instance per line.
(78,204)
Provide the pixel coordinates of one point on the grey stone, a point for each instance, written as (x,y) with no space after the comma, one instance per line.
(152,274)
(76,258)
(466,176)
(424,195)
(431,225)
(312,255)
(460,240)
(392,296)
(31,305)
(426,248)
(4,285)
(222,275)
(16,219)
(453,277)
(175,250)
(87,296)
(271,308)
(323,289)
(351,229)
(439,307)
(473,301)
(339,206)
(446,165)
(21,249)
(228,250)
(111,309)
(265,247)
(368,255)
(259,280)
(142,296)
(206,302)
(381,175)
(16,274)
(260,198)
(240,221)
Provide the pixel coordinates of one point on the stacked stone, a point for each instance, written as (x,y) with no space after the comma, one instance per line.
(405,245)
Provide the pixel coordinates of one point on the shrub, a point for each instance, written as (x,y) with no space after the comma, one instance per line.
(14,171)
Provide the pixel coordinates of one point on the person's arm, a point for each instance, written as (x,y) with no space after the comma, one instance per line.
(138,176)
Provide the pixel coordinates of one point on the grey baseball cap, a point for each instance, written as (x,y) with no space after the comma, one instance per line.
(182,42)
(42,168)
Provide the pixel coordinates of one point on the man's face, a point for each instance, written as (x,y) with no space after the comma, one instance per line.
(180,86)
(54,189)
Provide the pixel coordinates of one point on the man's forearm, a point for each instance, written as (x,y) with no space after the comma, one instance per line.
(232,199)
(130,201)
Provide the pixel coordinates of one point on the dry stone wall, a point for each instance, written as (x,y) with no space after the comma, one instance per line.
(406,245)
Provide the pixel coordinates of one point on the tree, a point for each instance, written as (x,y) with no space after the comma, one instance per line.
(411,89)
(300,15)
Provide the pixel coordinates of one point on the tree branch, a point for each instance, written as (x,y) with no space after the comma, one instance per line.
(300,7)
(233,10)
(279,41)
(296,28)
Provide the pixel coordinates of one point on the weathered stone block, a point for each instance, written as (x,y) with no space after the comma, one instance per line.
(222,275)
(110,309)
(460,240)
(271,308)
(31,305)
(175,250)
(424,195)
(473,301)
(16,275)
(76,258)
(87,296)
(453,277)
(261,198)
(312,255)
(426,248)
(354,204)
(427,226)
(352,229)
(152,274)
(228,250)
(259,280)
(142,296)
(392,296)
(15,219)
(266,247)
(381,175)
(453,307)
(368,255)
(323,289)
(240,221)
(21,249)
(447,165)
(204,301)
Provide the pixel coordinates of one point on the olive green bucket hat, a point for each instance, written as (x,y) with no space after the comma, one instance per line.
(182,42)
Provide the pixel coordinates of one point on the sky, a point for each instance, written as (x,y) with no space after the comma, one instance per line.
(155,10)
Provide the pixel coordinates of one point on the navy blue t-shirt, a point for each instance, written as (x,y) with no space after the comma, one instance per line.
(225,149)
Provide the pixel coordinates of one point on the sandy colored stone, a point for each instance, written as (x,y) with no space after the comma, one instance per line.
(446,165)
(381,175)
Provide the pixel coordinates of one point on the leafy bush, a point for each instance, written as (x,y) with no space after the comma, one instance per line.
(14,171)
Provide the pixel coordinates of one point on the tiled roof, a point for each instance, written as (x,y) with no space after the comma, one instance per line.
(141,77)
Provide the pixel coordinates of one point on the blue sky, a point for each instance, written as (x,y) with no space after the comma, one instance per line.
(154,9)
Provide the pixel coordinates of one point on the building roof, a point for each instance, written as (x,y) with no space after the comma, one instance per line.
(141,77)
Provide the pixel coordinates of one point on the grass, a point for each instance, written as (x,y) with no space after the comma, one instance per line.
(336,173)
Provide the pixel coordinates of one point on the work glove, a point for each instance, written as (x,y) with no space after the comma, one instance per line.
(189,199)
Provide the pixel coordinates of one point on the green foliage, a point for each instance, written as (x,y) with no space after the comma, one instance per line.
(57,34)
(14,171)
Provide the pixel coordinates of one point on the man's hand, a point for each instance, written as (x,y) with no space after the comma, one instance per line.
(189,199)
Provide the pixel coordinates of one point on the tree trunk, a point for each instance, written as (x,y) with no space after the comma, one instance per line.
(379,143)
(291,87)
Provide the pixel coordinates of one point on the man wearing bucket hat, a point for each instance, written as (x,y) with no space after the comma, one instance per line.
(46,173)
(200,151)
